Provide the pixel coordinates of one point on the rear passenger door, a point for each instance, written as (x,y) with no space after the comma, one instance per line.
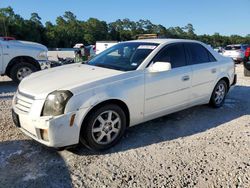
(205,70)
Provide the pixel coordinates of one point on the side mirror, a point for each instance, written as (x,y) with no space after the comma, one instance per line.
(160,67)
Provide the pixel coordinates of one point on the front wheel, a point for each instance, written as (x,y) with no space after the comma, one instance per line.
(20,70)
(104,127)
(219,94)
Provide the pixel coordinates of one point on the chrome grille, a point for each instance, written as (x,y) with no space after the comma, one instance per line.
(23,102)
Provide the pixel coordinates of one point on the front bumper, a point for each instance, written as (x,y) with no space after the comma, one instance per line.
(59,132)
(44,64)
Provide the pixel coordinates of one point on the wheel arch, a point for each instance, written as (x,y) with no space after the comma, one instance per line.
(226,79)
(19,59)
(117,102)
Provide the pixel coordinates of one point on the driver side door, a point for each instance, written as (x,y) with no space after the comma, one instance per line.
(168,91)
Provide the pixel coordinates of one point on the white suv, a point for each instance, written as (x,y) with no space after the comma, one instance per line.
(129,83)
(20,58)
(236,52)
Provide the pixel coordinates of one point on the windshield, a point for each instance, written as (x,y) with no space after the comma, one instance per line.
(124,56)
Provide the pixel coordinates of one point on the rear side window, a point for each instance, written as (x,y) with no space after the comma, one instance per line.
(173,54)
(198,54)
(211,57)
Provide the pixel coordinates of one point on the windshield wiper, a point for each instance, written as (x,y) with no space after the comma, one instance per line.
(109,67)
(104,66)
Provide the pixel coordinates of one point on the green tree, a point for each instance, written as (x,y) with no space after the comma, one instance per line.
(94,30)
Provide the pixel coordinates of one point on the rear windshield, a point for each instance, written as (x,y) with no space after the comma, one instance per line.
(233,48)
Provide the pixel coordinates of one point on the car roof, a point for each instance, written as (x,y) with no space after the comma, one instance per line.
(163,41)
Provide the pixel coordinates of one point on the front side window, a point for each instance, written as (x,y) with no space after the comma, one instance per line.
(173,54)
(124,56)
(198,54)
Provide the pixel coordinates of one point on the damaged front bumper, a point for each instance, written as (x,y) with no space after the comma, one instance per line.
(50,131)
(44,64)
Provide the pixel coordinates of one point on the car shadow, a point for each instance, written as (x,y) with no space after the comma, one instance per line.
(181,124)
(7,89)
(23,165)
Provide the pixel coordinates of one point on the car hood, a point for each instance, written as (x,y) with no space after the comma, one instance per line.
(66,77)
(27,44)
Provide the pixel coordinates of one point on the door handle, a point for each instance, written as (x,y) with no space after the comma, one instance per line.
(214,70)
(185,78)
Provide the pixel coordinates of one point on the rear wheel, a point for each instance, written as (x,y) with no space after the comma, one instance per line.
(219,94)
(104,127)
(20,70)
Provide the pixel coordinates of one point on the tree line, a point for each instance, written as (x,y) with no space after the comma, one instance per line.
(68,30)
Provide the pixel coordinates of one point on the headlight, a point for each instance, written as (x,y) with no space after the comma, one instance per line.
(55,103)
(42,55)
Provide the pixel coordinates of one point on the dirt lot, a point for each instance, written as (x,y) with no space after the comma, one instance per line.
(198,147)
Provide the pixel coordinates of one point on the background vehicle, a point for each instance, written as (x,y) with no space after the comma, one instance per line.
(219,50)
(236,52)
(18,59)
(147,36)
(78,45)
(127,84)
(247,62)
(103,45)
(7,38)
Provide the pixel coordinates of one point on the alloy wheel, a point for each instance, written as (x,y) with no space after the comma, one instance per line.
(106,127)
(220,93)
(23,72)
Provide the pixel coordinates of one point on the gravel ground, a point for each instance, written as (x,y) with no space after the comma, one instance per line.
(198,147)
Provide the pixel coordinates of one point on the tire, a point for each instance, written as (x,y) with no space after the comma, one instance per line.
(219,94)
(246,72)
(103,128)
(20,68)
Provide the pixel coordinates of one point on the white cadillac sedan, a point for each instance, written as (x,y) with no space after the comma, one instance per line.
(129,83)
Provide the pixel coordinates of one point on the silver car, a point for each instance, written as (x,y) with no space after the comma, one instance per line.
(236,52)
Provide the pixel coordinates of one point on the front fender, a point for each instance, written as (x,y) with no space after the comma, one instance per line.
(130,91)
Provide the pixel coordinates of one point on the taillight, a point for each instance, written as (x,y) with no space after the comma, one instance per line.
(247,53)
